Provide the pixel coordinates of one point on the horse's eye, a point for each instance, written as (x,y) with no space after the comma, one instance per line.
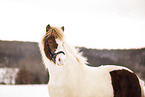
(50,42)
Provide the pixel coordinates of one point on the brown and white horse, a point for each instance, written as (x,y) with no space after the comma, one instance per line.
(71,77)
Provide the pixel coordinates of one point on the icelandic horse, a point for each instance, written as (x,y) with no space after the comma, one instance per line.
(71,77)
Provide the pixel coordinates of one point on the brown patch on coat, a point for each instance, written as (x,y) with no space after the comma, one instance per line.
(125,84)
(52,33)
(52,46)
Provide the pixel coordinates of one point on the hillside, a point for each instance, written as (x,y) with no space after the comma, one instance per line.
(26,57)
(131,58)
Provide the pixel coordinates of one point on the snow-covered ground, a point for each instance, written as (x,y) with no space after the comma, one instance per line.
(23,91)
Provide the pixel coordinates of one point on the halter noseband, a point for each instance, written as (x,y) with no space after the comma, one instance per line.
(53,55)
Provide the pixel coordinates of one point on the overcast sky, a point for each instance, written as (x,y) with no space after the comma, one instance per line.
(90,23)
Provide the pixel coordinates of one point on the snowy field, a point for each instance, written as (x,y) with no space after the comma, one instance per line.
(23,91)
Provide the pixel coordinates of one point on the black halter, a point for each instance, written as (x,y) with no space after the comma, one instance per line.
(53,55)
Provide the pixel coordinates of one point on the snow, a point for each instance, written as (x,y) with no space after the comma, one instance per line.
(24,91)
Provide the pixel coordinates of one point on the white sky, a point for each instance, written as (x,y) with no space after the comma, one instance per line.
(100,24)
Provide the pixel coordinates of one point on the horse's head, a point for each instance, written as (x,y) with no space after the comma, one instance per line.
(53,45)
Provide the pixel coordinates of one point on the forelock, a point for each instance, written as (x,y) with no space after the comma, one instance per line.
(55,32)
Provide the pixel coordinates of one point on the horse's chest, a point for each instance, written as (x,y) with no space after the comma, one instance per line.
(70,92)
(60,91)
(82,89)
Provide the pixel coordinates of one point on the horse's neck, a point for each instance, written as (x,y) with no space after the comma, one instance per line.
(71,70)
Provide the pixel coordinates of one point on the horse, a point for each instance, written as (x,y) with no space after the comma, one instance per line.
(70,76)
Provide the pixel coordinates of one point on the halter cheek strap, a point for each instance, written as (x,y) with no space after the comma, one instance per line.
(53,55)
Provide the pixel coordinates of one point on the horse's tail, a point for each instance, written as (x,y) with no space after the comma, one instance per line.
(142,88)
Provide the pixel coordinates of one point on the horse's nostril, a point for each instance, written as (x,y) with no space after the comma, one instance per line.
(59,59)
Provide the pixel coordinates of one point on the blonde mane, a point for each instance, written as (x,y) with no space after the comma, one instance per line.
(77,54)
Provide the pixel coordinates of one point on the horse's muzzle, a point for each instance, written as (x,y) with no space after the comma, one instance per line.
(55,54)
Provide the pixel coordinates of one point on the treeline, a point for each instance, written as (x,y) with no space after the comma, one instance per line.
(26,57)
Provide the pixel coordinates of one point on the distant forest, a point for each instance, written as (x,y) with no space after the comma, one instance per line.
(26,57)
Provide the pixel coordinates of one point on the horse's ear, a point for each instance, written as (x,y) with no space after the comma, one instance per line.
(62,28)
(47,27)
